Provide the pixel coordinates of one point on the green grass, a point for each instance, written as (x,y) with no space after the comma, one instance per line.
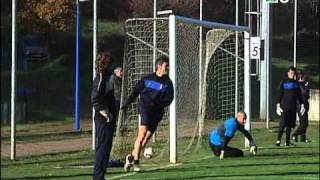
(300,162)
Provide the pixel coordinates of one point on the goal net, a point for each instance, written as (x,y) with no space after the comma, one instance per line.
(208,78)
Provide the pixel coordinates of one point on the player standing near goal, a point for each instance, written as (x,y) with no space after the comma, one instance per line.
(303,118)
(287,105)
(102,98)
(116,79)
(221,136)
(156,93)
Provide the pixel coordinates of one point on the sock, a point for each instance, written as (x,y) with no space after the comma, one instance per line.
(288,132)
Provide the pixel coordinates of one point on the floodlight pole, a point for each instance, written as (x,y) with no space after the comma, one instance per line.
(295,34)
(13,81)
(76,113)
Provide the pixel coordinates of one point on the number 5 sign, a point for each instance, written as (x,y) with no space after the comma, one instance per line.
(255,48)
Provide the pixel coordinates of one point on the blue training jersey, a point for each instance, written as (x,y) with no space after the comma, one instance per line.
(228,128)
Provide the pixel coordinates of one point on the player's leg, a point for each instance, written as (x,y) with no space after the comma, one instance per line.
(291,124)
(152,126)
(138,142)
(104,135)
(146,139)
(232,152)
(299,130)
(282,124)
(216,150)
(304,125)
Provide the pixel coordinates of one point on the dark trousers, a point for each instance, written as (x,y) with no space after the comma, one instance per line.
(288,121)
(228,151)
(104,137)
(302,129)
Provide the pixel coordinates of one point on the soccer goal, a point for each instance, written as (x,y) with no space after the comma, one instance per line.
(208,86)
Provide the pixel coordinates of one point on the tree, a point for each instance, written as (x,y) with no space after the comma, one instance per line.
(43,15)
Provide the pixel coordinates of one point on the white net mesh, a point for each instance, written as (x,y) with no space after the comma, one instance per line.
(218,95)
(221,74)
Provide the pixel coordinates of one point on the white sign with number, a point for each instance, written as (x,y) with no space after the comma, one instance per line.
(255,48)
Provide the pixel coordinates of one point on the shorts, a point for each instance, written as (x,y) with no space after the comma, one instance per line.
(151,118)
(288,118)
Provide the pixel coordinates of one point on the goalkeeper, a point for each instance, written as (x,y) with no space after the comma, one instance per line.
(289,94)
(221,136)
(156,93)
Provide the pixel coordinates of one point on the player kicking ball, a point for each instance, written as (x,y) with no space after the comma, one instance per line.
(156,93)
(221,136)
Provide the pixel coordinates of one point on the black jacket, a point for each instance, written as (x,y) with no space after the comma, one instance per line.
(154,91)
(305,91)
(289,94)
(102,95)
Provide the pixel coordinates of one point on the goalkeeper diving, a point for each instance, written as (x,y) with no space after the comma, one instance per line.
(221,136)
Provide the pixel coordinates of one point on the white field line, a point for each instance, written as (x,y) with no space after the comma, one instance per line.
(157,168)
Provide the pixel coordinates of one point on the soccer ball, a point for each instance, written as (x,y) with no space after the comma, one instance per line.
(148,152)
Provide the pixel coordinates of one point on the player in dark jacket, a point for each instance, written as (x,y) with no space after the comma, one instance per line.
(116,82)
(287,105)
(103,102)
(220,137)
(303,118)
(156,93)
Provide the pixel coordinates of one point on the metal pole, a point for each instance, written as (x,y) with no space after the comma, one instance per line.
(93,66)
(13,81)
(172,114)
(76,113)
(154,46)
(295,34)
(154,33)
(247,83)
(236,69)
(201,120)
(264,87)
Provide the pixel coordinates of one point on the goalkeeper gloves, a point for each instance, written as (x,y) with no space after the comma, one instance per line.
(253,147)
(302,110)
(106,115)
(253,150)
(279,110)
(221,154)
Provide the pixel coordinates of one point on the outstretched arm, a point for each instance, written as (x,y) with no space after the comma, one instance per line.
(134,94)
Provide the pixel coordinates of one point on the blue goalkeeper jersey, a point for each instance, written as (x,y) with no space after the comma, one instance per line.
(228,128)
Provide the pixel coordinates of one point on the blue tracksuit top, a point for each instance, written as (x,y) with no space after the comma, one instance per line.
(224,133)
(229,127)
(154,91)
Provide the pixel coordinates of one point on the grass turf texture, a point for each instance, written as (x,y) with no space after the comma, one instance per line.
(300,162)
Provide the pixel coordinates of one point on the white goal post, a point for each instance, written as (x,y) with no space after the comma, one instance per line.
(205,90)
(173,59)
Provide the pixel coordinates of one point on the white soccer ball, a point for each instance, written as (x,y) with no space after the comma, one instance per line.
(148,152)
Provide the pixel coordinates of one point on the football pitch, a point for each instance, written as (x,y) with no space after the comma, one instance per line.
(271,162)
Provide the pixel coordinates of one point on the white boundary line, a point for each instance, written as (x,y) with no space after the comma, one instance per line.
(157,168)
(151,169)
